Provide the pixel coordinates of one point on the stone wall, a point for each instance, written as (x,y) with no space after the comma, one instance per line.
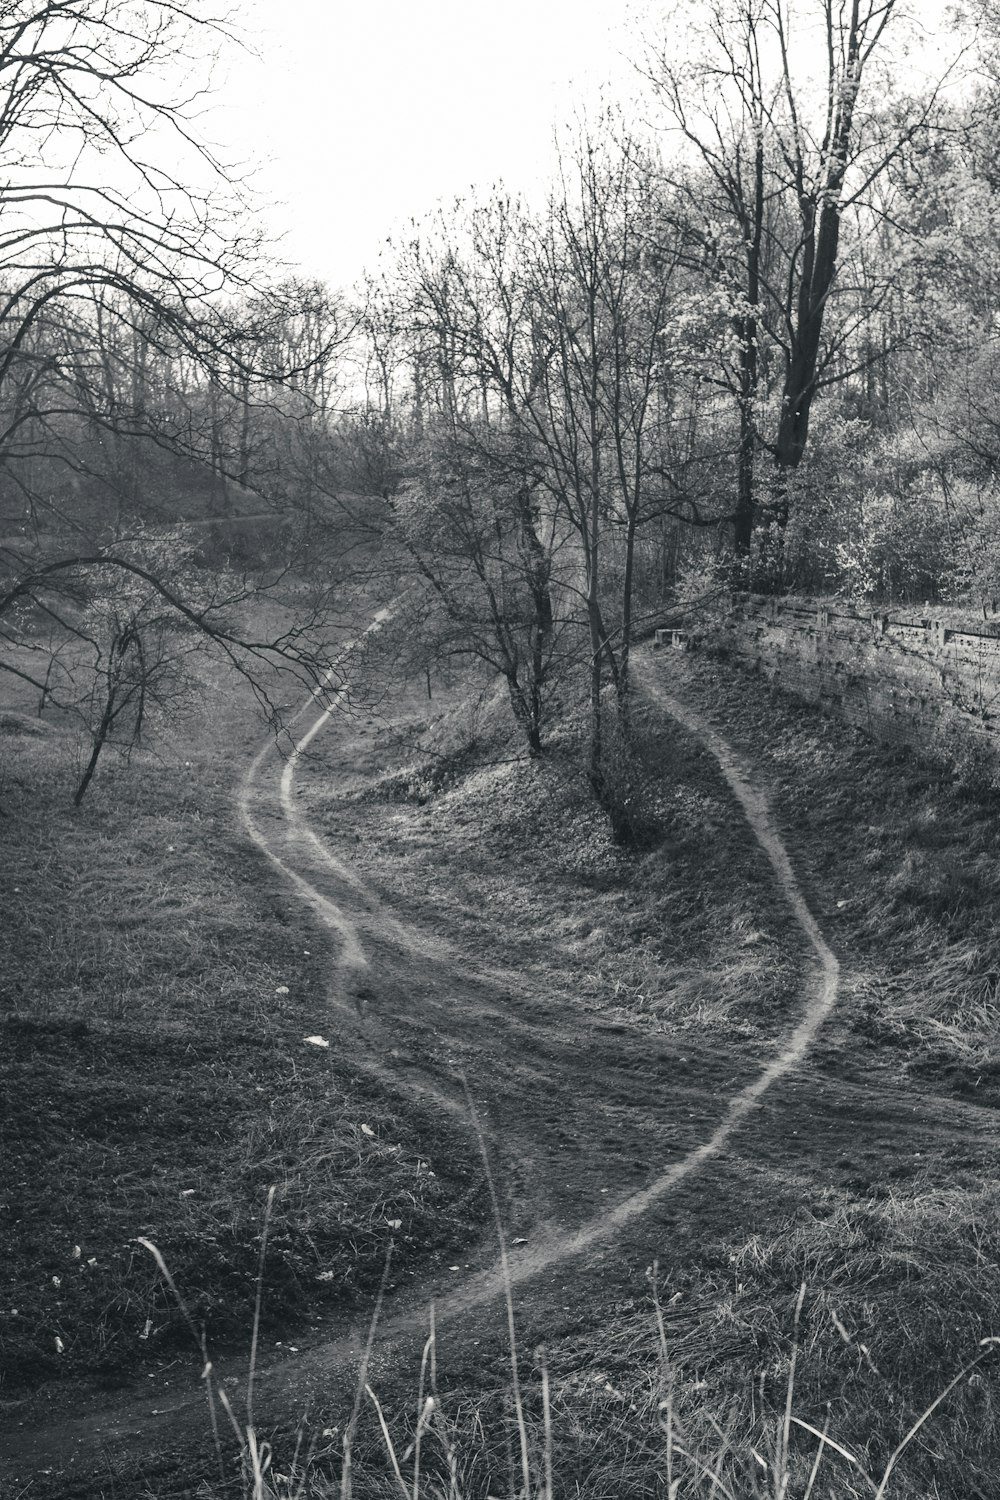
(924,681)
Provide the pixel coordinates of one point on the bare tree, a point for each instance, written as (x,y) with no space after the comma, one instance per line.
(463,518)
(773,160)
(545,352)
(126,253)
(119,229)
(135,665)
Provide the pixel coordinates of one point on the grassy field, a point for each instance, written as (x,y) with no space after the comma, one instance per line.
(833,1274)
(903,860)
(858,1276)
(157,986)
(456,828)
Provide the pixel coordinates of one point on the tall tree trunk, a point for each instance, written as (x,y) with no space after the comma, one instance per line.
(624,684)
(218,498)
(244,464)
(525,709)
(818,271)
(747,328)
(595,767)
(100,740)
(820,243)
(746,465)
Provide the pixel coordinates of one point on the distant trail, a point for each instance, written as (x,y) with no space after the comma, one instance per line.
(330,914)
(352,954)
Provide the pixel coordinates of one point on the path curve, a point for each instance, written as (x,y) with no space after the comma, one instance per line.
(278,830)
(327,697)
(550,1248)
(558,1247)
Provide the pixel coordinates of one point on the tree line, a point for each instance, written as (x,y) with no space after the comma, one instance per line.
(747,340)
(749,345)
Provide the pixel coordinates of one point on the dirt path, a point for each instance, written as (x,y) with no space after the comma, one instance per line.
(574,1106)
(821,993)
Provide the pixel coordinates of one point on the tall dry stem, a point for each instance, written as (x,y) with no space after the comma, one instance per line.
(346,1489)
(547,1425)
(522,1431)
(258,1297)
(989,1346)
(781,1476)
(425,1407)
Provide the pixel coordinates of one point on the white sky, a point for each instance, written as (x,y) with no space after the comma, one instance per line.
(371,111)
(366,113)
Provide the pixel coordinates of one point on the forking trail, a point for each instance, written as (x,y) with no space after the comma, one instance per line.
(268,808)
(552,1247)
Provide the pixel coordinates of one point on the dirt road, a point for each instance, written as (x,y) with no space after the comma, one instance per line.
(611,1147)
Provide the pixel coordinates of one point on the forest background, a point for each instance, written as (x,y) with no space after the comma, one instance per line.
(747,340)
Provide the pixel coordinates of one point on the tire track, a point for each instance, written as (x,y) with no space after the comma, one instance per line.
(352,958)
(551,1249)
(134,1429)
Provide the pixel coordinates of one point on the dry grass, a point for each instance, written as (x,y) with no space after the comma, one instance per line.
(730,1380)
(873,1379)
(513,858)
(903,861)
(752,1388)
(156,1081)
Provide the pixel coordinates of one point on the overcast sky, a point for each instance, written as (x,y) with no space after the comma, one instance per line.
(373,110)
(366,113)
